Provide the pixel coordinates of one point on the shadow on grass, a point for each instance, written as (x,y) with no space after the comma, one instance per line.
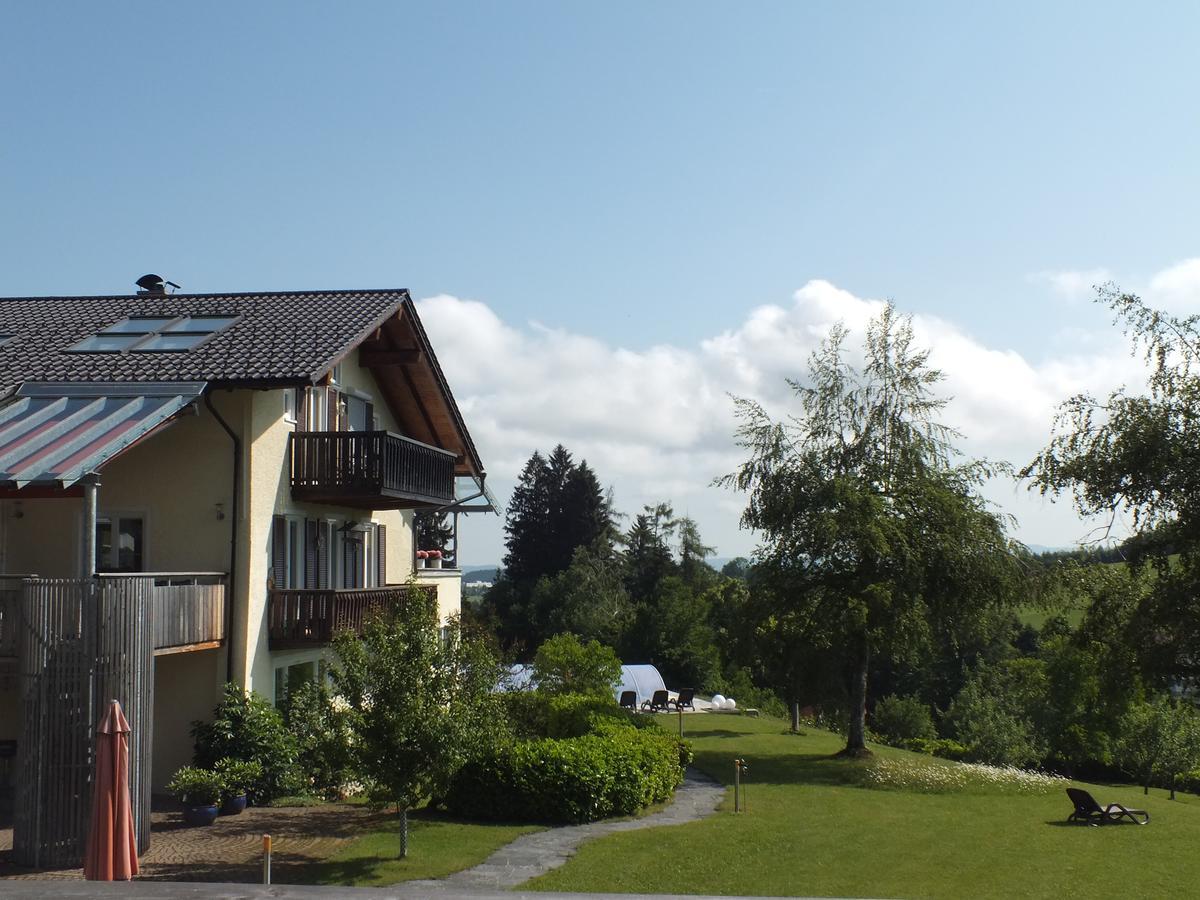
(793,769)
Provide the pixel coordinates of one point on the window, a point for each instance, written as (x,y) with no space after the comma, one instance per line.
(120,544)
(316,410)
(289,405)
(5,338)
(316,554)
(289,678)
(154,334)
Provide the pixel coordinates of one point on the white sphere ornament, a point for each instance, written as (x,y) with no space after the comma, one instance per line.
(730,703)
(718,701)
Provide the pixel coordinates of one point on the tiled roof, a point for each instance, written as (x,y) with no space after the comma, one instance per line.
(279,337)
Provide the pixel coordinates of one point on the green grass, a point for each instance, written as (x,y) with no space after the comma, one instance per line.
(437,846)
(812,828)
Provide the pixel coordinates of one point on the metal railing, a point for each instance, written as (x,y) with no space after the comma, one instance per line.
(343,465)
(309,618)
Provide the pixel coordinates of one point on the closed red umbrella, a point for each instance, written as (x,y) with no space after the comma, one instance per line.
(111,845)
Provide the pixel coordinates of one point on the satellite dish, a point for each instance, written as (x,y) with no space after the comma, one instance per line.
(151,283)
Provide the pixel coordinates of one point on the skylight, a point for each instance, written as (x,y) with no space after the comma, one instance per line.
(154,334)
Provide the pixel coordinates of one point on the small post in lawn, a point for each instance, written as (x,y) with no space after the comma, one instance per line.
(266,859)
(680,707)
(737,785)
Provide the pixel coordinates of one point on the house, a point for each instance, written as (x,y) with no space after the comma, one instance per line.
(197,488)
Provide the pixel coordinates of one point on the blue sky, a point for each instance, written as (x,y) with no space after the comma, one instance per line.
(639,175)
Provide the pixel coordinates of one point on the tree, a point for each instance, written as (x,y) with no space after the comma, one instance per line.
(648,550)
(878,540)
(556,508)
(565,665)
(434,531)
(692,555)
(421,705)
(588,599)
(1138,455)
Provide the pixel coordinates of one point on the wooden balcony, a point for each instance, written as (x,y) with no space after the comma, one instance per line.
(188,608)
(369,469)
(298,619)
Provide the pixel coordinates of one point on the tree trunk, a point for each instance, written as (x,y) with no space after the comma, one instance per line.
(795,716)
(856,744)
(1172,787)
(403,813)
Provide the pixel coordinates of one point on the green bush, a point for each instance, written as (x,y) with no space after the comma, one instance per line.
(238,776)
(942,747)
(614,771)
(535,714)
(246,727)
(194,786)
(322,732)
(902,718)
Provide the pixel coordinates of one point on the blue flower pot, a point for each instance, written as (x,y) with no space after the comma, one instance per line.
(233,805)
(199,815)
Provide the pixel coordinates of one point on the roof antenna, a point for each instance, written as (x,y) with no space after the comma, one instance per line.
(154,284)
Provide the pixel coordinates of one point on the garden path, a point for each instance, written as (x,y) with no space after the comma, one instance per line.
(535,854)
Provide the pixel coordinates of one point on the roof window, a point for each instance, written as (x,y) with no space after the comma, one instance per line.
(154,334)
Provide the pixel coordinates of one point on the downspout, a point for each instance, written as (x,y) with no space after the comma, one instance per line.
(233,534)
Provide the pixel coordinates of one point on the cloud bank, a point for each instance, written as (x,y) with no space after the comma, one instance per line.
(657,423)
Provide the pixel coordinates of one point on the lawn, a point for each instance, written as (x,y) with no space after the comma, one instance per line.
(813,828)
(437,846)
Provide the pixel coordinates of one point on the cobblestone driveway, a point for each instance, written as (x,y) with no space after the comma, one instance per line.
(230,849)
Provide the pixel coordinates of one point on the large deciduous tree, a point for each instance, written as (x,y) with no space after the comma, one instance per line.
(1138,455)
(877,540)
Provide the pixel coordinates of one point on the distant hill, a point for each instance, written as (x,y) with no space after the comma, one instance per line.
(472,574)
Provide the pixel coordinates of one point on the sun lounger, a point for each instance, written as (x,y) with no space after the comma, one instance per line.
(1089,811)
(658,702)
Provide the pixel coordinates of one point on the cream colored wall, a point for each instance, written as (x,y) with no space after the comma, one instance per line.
(269,494)
(173,479)
(449,588)
(186,687)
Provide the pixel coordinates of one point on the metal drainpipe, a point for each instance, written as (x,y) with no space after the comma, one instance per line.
(233,534)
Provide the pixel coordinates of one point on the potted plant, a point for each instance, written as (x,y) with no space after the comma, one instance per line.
(199,790)
(422,558)
(238,777)
(435,559)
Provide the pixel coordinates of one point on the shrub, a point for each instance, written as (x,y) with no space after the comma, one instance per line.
(942,747)
(902,718)
(564,665)
(194,786)
(534,714)
(238,776)
(321,728)
(614,771)
(246,727)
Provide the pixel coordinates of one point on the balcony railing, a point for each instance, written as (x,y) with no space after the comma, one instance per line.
(189,607)
(310,618)
(373,469)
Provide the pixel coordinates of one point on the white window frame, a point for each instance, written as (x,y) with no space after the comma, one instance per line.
(289,405)
(316,415)
(114,516)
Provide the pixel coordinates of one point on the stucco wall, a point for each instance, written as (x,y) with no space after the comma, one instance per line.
(186,688)
(173,480)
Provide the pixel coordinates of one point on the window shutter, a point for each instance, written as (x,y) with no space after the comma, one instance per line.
(323,555)
(279,551)
(302,409)
(381,554)
(311,553)
(371,424)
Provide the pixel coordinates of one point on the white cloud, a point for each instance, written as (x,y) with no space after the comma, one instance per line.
(1074,284)
(1177,289)
(657,423)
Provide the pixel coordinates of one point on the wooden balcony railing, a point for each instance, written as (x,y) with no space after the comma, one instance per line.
(310,618)
(189,607)
(372,469)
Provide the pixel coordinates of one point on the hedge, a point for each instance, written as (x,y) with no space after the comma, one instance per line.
(534,714)
(613,771)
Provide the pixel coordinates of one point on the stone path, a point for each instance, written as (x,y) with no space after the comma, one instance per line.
(535,854)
